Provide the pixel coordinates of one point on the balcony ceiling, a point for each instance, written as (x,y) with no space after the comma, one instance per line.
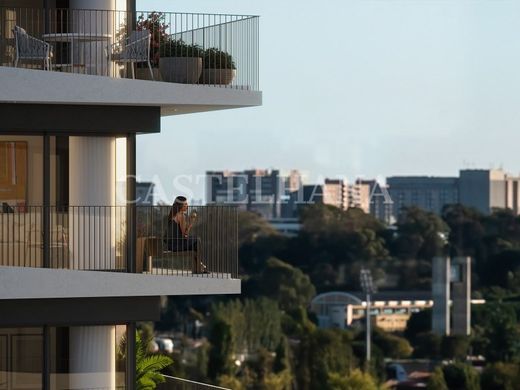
(44,87)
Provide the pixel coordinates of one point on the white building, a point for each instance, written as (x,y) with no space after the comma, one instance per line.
(78,265)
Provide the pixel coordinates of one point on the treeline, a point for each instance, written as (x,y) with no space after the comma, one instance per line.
(333,245)
(267,339)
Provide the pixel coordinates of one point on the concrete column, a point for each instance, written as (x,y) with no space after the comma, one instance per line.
(95,18)
(461,296)
(92,183)
(92,357)
(441,295)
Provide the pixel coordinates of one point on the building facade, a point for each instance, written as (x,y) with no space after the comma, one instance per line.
(257,190)
(426,192)
(381,204)
(79,266)
(486,189)
(144,193)
(336,193)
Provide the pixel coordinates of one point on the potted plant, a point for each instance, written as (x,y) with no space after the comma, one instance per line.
(180,62)
(156,24)
(219,67)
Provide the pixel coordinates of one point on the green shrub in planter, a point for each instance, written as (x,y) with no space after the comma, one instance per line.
(219,67)
(180,62)
(218,59)
(179,48)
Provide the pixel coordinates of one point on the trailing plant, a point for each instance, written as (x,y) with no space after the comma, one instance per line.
(155,23)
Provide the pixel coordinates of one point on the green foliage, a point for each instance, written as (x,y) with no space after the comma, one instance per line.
(348,235)
(230,382)
(252,226)
(503,270)
(296,323)
(218,59)
(239,328)
(455,347)
(427,345)
(278,381)
(421,234)
(437,381)
(253,323)
(356,380)
(222,349)
(286,284)
(148,366)
(500,376)
(179,48)
(466,230)
(418,323)
(461,376)
(496,327)
(320,353)
(281,361)
(391,346)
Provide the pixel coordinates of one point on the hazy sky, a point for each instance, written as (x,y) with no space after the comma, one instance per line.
(359,88)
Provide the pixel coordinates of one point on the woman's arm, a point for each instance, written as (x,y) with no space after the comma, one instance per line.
(185,226)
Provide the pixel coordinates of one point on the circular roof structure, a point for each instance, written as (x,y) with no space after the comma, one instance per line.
(336,298)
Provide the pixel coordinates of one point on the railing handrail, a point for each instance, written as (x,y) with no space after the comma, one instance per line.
(222,48)
(243,16)
(96,238)
(195,383)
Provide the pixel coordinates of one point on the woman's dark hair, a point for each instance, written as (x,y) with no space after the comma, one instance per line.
(177,206)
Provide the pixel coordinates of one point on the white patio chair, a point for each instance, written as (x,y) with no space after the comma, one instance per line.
(31,48)
(134,49)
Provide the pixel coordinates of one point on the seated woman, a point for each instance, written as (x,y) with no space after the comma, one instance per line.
(177,238)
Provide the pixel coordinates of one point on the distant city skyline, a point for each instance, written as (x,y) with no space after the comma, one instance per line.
(194,186)
(426,87)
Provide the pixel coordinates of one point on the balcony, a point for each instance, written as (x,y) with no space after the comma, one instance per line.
(56,243)
(187,61)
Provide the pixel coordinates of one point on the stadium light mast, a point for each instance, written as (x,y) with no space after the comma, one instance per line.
(367,285)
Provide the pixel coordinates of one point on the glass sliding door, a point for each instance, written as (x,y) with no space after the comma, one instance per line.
(21,358)
(21,199)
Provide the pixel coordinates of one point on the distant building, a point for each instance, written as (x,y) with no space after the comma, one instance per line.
(260,191)
(390,310)
(451,283)
(359,196)
(482,189)
(485,189)
(144,193)
(381,204)
(289,227)
(335,193)
(426,192)
(338,193)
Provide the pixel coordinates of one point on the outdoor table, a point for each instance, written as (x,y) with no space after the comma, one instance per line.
(75,38)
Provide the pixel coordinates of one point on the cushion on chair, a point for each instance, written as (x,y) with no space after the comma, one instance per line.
(20,30)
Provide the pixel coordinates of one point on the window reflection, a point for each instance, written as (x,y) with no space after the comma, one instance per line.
(21,358)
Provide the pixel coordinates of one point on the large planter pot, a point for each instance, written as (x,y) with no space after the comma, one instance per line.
(183,70)
(218,76)
(144,74)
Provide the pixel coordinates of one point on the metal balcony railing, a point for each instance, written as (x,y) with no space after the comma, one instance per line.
(174,383)
(189,48)
(96,238)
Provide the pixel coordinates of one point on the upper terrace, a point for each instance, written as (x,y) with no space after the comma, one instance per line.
(182,62)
